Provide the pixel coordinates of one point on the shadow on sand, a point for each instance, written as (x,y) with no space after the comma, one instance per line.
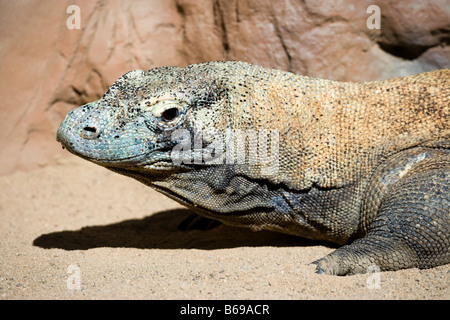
(161,231)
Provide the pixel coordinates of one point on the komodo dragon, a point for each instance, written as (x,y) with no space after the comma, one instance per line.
(361,164)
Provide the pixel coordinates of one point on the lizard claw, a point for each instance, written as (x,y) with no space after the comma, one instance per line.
(330,265)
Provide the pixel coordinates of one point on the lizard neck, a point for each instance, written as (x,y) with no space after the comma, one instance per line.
(333,133)
(299,109)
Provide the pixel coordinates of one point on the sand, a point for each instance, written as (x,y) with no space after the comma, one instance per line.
(78,231)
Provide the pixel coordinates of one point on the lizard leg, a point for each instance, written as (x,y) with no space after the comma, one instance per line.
(411,229)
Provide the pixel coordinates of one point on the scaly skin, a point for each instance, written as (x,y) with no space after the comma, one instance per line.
(361,164)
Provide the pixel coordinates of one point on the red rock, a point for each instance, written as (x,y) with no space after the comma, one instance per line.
(47,69)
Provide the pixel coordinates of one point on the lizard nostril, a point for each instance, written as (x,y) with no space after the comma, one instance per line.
(90,133)
(90,129)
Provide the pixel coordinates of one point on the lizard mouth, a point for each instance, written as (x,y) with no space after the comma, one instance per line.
(92,142)
(97,159)
(128,153)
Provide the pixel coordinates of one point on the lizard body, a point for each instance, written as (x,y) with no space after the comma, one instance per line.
(367,164)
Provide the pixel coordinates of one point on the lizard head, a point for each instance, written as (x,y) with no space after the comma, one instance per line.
(145,116)
(132,126)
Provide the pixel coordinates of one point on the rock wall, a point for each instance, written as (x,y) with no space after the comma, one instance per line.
(46,68)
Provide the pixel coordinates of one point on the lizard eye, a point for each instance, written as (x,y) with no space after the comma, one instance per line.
(170,114)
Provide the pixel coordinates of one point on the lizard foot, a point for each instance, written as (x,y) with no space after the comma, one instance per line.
(411,229)
(344,262)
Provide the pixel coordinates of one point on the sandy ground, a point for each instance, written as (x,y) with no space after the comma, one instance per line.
(78,231)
